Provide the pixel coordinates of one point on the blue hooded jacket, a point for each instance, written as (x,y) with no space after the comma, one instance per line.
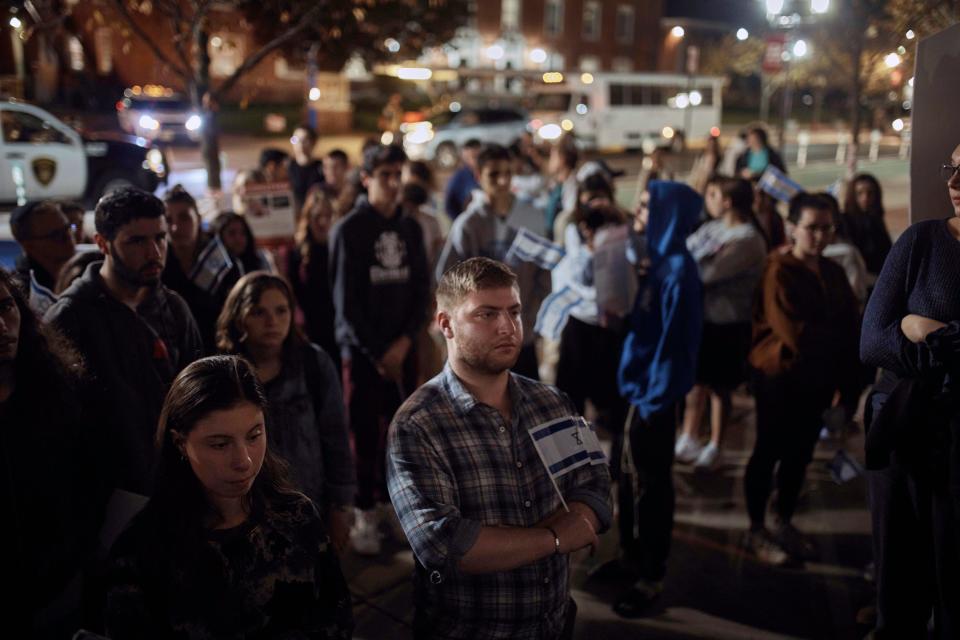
(659,358)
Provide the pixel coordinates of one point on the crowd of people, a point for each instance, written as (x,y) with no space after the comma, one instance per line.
(218,423)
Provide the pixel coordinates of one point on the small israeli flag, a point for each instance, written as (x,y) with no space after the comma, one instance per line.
(778,185)
(555,311)
(529,247)
(843,468)
(41,298)
(836,188)
(566,444)
(213,265)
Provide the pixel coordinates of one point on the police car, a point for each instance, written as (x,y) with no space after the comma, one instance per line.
(158,113)
(41,157)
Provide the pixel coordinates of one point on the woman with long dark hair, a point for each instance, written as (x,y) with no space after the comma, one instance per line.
(306,421)
(49,493)
(730,250)
(235,233)
(226,547)
(863,221)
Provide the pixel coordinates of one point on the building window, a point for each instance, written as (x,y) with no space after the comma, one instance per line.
(509,15)
(75,53)
(622,65)
(589,63)
(226,54)
(553,18)
(591,20)
(625,24)
(103,44)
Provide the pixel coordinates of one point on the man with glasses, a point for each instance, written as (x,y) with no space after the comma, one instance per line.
(47,239)
(381,289)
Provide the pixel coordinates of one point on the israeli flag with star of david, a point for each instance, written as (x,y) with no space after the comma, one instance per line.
(566,444)
(778,185)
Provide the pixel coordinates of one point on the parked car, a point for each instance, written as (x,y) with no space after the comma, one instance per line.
(42,157)
(159,113)
(441,143)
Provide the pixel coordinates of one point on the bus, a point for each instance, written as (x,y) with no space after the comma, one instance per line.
(615,111)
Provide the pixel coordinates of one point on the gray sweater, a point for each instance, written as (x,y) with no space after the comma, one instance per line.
(478,232)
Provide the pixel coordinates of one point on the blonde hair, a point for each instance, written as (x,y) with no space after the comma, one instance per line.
(469,276)
(316,202)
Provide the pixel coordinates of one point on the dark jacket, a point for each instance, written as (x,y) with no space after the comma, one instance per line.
(868,233)
(660,353)
(204,306)
(25,265)
(132,357)
(311,286)
(381,284)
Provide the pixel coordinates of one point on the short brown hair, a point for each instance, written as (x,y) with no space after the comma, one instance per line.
(472,275)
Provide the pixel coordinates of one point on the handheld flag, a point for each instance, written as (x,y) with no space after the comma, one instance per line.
(529,247)
(566,444)
(778,185)
(555,311)
(213,265)
(843,468)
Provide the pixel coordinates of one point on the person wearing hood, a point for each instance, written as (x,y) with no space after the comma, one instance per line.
(487,229)
(656,371)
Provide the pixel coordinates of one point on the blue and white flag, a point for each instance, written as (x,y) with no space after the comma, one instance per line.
(41,298)
(555,311)
(566,444)
(213,265)
(843,468)
(529,247)
(836,188)
(778,185)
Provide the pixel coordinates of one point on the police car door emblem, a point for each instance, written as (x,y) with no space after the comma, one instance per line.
(44,169)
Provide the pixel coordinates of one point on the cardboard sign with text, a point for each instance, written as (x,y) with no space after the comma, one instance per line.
(269,210)
(935,122)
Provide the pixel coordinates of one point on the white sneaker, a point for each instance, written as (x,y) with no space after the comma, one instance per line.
(365,536)
(708,458)
(389,515)
(686,449)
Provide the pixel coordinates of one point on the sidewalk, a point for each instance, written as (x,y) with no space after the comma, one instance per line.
(713,590)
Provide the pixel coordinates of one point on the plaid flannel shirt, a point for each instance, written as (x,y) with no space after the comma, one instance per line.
(454,465)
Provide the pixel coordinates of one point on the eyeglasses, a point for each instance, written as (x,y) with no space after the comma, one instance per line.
(947,172)
(62,234)
(825,229)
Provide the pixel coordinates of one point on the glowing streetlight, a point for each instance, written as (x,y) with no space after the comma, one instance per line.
(586,78)
(538,56)
(897,125)
(910,34)
(15,22)
(800,48)
(892,60)
(819,6)
(677,32)
(314,94)
(742,34)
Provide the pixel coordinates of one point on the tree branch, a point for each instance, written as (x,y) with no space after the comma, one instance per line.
(258,57)
(154,47)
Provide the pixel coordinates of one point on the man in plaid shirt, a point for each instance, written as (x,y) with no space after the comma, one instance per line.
(487,527)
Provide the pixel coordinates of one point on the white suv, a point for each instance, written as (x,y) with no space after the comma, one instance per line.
(499,126)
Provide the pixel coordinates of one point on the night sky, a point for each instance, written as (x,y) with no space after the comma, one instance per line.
(730,11)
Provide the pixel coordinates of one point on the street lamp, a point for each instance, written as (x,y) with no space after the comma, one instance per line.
(800,48)
(15,22)
(742,34)
(538,56)
(677,32)
(910,34)
(892,60)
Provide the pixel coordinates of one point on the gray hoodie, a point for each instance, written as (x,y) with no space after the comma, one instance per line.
(478,232)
